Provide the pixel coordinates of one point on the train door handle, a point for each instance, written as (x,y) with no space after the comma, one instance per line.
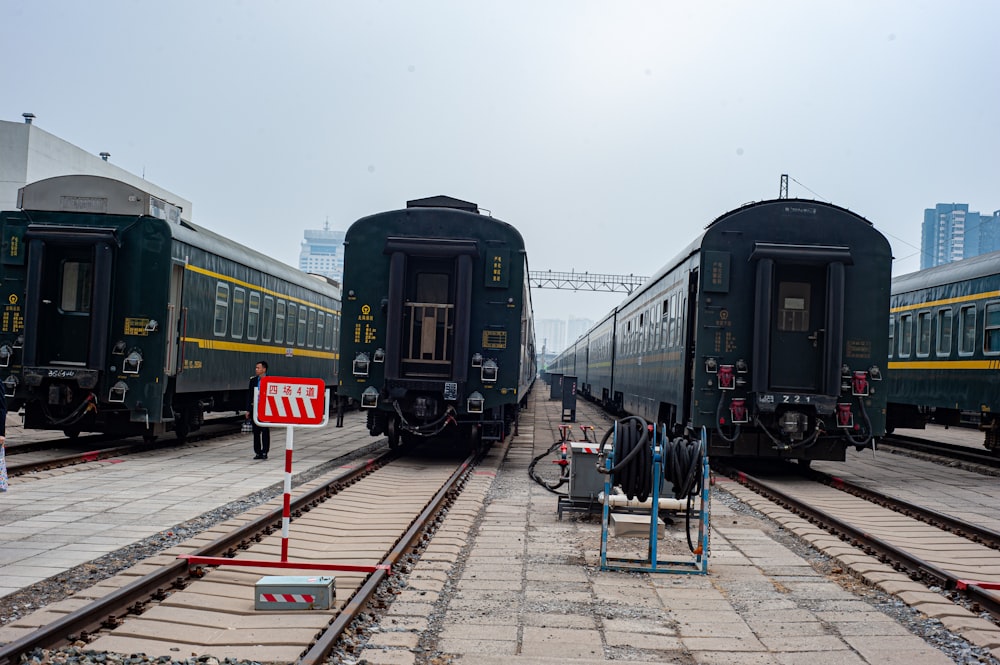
(815,336)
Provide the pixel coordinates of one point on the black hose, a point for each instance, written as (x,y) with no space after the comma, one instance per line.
(683,466)
(633,452)
(563,477)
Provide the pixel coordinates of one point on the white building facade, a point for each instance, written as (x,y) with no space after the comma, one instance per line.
(29,154)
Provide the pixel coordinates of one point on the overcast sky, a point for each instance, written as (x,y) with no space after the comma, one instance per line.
(609,133)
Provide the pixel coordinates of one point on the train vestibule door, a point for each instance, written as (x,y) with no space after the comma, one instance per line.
(64,302)
(428,318)
(798,322)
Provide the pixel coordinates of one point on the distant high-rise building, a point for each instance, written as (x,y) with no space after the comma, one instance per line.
(550,333)
(323,252)
(951,232)
(557,334)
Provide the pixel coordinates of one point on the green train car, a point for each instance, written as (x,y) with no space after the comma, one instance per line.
(438,335)
(944,346)
(764,331)
(121,317)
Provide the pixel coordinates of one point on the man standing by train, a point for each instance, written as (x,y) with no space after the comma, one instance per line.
(261,435)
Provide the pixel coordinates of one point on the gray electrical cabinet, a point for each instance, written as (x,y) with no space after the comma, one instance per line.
(585,481)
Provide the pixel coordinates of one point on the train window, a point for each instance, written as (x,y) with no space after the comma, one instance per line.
(303,315)
(793,306)
(905,335)
(328,344)
(279,321)
(77,282)
(253,316)
(892,335)
(239,311)
(311,330)
(267,319)
(991,328)
(290,323)
(320,328)
(967,330)
(221,308)
(923,334)
(944,332)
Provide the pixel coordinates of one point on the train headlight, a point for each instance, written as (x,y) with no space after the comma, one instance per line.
(741,366)
(119,348)
(379,356)
(152,326)
(711,365)
(489,371)
(19,342)
(475,403)
(361,364)
(477,360)
(117,392)
(132,362)
(369,398)
(10,385)
(5,355)
(874,373)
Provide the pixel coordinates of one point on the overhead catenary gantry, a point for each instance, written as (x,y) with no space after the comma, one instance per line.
(585,281)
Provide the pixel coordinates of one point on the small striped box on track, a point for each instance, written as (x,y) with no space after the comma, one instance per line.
(277,592)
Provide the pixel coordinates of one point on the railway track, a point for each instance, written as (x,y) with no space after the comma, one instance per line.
(366,516)
(44,454)
(939,550)
(927,446)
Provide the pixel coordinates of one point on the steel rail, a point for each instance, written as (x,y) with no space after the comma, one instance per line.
(915,566)
(974,532)
(21,468)
(948,450)
(322,647)
(131,597)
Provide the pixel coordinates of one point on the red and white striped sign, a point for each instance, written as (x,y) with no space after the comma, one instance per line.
(286,598)
(291,401)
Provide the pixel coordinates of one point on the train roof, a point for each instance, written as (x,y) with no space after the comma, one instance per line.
(88,194)
(974,267)
(435,217)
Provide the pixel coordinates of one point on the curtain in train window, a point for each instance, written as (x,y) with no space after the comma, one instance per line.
(905,335)
(991,329)
(239,311)
(967,330)
(892,335)
(221,308)
(253,316)
(268,318)
(923,334)
(944,321)
(279,322)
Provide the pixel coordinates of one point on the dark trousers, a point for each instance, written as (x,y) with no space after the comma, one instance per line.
(261,439)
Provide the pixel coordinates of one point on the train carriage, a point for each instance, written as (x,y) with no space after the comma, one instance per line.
(121,317)
(944,346)
(438,336)
(763,331)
